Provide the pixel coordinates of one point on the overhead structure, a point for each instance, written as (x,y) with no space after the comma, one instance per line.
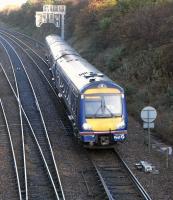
(52,14)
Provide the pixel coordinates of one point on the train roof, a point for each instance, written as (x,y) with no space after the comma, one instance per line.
(78,71)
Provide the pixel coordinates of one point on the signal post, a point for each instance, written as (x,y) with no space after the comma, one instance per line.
(54,14)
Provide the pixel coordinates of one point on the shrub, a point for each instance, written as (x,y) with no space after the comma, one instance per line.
(114,61)
(131,5)
(97,5)
(104,23)
(170,97)
(164,126)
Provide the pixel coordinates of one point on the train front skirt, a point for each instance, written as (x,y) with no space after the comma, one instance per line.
(103,138)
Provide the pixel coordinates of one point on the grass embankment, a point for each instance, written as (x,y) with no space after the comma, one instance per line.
(129,40)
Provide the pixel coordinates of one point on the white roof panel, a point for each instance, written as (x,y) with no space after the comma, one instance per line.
(78,70)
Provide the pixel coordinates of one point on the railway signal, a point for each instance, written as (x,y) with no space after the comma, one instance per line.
(52,14)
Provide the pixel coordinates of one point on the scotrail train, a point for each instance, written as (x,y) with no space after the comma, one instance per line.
(96,104)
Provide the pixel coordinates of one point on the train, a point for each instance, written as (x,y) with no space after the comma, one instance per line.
(97,105)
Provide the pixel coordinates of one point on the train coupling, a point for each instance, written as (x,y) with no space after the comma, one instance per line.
(104,140)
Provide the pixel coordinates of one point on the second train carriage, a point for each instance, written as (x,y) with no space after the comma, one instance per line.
(96,103)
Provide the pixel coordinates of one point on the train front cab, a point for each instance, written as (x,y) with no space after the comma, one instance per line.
(103,117)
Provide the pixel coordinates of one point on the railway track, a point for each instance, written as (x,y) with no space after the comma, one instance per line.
(31,109)
(33,56)
(72,167)
(25,42)
(41,67)
(23,36)
(117,179)
(7,144)
(85,176)
(123,187)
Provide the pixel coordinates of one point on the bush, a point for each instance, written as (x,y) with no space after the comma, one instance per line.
(97,5)
(114,61)
(170,97)
(133,5)
(105,23)
(164,126)
(129,40)
(146,27)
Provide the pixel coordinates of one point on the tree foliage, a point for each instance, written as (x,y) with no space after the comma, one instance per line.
(97,5)
(130,40)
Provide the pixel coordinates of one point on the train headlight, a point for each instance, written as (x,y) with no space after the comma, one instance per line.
(86,126)
(121,124)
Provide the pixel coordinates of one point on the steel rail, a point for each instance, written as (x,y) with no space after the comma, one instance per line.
(43,122)
(139,188)
(33,133)
(41,115)
(134,179)
(26,46)
(41,44)
(12,149)
(33,61)
(21,125)
(110,197)
(41,71)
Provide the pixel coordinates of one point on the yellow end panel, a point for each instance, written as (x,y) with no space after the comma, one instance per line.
(104,124)
(102,90)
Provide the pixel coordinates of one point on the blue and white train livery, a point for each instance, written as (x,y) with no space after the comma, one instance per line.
(96,103)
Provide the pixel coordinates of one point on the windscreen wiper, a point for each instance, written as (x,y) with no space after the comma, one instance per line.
(106,108)
(103,107)
(112,115)
(95,114)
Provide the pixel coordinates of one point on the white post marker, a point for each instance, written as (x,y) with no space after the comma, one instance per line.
(148,115)
(52,14)
(168,151)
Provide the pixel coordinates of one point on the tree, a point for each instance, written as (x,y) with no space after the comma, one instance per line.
(49,1)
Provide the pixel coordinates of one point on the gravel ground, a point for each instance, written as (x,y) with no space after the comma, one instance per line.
(8,183)
(75,169)
(159,185)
